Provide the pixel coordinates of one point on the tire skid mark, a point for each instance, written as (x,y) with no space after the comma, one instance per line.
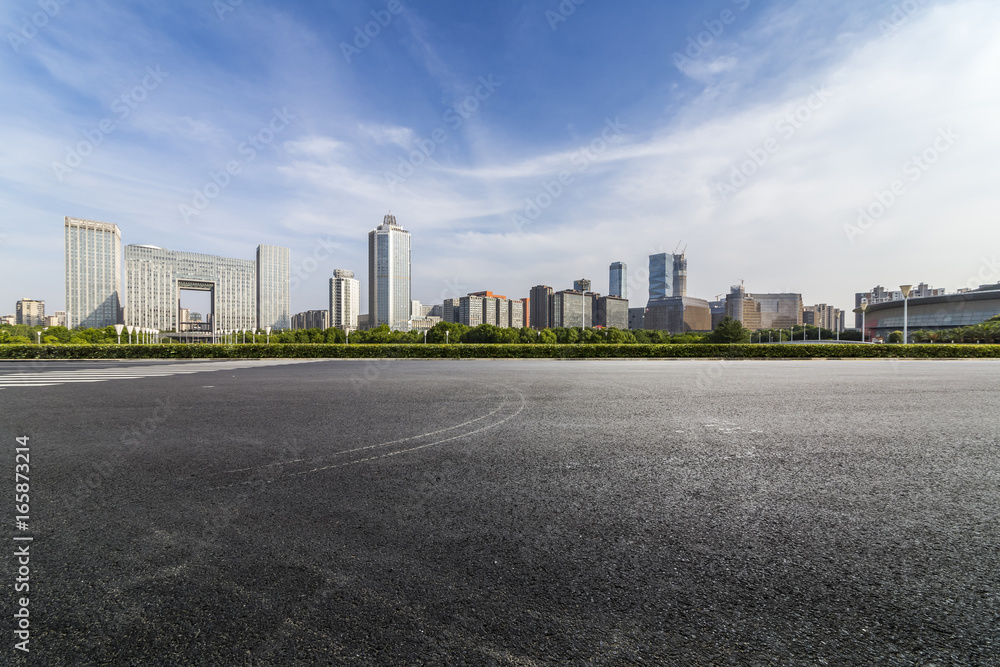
(366,447)
(367,459)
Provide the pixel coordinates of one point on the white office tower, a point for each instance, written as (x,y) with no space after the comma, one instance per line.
(274,293)
(389,276)
(345,300)
(93,273)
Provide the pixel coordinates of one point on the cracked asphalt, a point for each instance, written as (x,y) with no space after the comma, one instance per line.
(604,512)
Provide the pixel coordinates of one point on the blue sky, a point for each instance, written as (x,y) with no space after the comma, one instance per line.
(819,148)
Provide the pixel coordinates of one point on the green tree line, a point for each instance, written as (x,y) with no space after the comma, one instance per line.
(728,331)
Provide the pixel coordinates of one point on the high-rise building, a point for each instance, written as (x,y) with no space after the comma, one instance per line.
(155,278)
(879,294)
(718,309)
(450,310)
(311,319)
(667,275)
(93,273)
(274,292)
(571,308)
(637,318)
(581,285)
(515,313)
(824,316)
(618,280)
(540,307)
(389,275)
(612,311)
(30,312)
(470,311)
(764,311)
(495,308)
(669,307)
(345,299)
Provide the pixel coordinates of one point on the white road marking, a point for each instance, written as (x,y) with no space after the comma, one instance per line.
(54,378)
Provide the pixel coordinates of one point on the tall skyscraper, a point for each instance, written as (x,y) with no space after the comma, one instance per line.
(669,307)
(345,299)
(667,275)
(618,280)
(389,275)
(274,292)
(93,273)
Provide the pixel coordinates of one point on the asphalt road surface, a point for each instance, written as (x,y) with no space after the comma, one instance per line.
(506,512)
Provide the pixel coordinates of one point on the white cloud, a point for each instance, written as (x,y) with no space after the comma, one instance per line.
(388,134)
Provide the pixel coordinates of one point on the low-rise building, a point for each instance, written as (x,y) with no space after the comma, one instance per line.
(764,310)
(678,314)
(30,312)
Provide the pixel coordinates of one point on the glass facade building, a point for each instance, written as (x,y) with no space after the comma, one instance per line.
(618,282)
(93,273)
(667,275)
(274,292)
(389,276)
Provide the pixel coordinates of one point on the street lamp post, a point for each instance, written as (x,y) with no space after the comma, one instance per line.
(905,289)
(130,329)
(864,307)
(118,330)
(267,330)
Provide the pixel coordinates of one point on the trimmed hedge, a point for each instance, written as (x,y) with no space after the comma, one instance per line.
(498,351)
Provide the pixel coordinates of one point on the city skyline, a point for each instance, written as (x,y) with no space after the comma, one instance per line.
(140,283)
(779,139)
